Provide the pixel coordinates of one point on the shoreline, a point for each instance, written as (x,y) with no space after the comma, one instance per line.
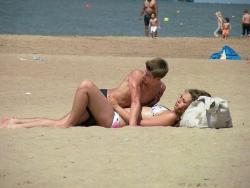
(172,47)
(121,36)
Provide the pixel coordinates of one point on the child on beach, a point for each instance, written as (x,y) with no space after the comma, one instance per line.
(153,24)
(226,27)
(246,23)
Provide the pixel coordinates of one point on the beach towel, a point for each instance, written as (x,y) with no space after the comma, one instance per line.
(207,112)
(226,53)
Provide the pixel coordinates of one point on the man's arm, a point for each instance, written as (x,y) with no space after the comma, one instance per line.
(134,81)
(156,9)
(165,119)
(143,9)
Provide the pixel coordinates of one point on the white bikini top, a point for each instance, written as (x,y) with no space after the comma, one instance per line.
(158,109)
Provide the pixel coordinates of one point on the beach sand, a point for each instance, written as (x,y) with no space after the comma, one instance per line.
(39,75)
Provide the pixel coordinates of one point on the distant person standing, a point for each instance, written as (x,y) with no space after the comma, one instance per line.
(153,24)
(149,7)
(220,21)
(226,27)
(245,23)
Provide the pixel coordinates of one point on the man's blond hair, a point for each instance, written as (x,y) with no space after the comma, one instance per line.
(158,67)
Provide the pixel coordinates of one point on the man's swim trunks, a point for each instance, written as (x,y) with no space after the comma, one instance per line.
(146,19)
(104,92)
(153,29)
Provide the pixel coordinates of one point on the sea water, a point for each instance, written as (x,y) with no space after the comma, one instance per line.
(114,17)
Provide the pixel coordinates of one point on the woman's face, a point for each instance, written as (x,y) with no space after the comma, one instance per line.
(183,102)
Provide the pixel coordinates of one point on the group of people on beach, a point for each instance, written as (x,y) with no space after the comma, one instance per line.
(151,23)
(133,103)
(224,27)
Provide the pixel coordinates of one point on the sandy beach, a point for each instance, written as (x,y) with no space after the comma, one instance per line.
(39,75)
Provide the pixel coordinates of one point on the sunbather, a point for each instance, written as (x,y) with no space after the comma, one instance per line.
(112,115)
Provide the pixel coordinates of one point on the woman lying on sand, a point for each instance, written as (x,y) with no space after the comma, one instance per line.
(110,113)
(159,115)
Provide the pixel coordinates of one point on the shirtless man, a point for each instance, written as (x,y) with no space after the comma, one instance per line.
(246,23)
(149,7)
(139,88)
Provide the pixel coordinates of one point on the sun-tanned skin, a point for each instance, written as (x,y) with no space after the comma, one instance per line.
(166,118)
(163,118)
(137,89)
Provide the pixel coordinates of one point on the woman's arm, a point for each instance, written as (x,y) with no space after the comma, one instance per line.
(167,118)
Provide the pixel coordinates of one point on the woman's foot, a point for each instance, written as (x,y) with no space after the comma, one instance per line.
(4,122)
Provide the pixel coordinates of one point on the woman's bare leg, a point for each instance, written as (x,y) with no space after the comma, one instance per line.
(88,96)
(42,122)
(34,122)
(29,122)
(24,120)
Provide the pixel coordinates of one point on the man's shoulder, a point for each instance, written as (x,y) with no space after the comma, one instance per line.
(135,75)
(136,72)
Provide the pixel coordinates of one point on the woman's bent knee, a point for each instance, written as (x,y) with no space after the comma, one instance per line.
(86,84)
